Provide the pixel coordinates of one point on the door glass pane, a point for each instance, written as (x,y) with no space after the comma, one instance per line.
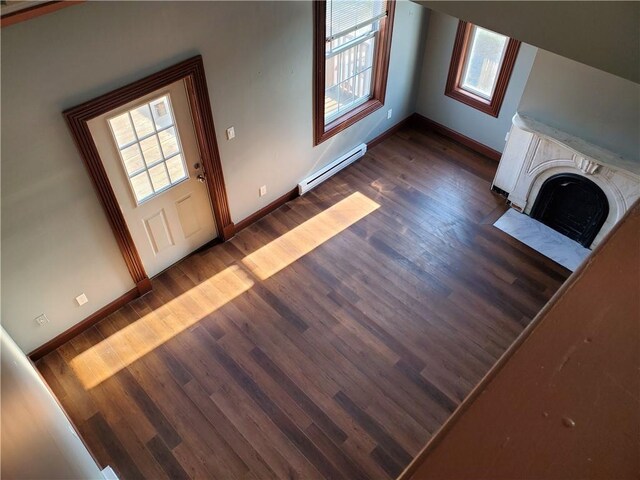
(483,61)
(151,150)
(159,177)
(141,186)
(122,130)
(175,165)
(142,121)
(149,144)
(162,113)
(132,159)
(169,142)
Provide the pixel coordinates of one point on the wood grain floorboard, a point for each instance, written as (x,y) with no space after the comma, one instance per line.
(330,339)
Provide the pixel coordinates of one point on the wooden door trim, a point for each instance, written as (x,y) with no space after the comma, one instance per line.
(192,72)
(34,11)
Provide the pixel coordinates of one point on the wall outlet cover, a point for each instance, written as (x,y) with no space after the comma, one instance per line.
(42,320)
(82,299)
(231,133)
(263,190)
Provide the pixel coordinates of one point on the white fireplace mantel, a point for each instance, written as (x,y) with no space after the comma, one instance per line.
(535,152)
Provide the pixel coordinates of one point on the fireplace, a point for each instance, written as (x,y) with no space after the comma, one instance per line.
(575,187)
(572,205)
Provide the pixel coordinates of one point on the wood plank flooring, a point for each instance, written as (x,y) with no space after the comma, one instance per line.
(328,340)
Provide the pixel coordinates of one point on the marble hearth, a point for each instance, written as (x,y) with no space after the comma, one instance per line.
(545,240)
(536,152)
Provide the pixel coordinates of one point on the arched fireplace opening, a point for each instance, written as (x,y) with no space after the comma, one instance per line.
(572,205)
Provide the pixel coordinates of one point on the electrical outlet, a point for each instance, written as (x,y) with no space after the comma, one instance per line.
(506,137)
(82,299)
(42,320)
(389,112)
(231,133)
(263,190)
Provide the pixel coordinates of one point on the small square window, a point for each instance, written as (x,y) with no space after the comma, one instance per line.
(481,66)
(149,145)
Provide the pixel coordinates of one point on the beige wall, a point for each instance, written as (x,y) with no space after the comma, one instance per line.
(38,441)
(594,105)
(433,104)
(56,242)
(603,34)
(597,106)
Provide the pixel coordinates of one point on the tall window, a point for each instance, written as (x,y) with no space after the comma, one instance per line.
(481,66)
(352,46)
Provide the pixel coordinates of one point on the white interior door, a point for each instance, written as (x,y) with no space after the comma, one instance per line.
(150,153)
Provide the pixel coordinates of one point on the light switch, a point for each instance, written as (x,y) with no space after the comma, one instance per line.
(82,299)
(231,133)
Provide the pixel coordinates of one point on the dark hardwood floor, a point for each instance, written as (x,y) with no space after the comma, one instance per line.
(328,340)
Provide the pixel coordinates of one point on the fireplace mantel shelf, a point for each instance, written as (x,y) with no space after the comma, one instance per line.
(579,146)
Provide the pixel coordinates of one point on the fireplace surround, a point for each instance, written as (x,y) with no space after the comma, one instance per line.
(584,189)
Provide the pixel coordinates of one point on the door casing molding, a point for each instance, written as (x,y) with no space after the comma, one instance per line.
(192,72)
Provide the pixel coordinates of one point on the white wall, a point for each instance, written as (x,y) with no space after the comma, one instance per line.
(594,105)
(433,104)
(603,34)
(56,242)
(38,441)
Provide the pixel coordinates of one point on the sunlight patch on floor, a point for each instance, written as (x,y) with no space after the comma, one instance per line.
(286,249)
(124,347)
(121,349)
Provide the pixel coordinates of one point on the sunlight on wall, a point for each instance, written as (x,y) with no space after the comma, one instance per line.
(307,236)
(124,347)
(131,343)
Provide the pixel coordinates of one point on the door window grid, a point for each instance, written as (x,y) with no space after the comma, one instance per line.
(149,146)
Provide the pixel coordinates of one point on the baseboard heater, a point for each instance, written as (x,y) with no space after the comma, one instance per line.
(334,167)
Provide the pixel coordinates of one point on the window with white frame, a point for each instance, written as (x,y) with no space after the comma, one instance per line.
(149,146)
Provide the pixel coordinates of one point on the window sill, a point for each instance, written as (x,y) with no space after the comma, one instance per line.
(342,123)
(489,107)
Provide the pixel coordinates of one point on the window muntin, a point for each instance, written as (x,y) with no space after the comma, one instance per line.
(348,77)
(351,31)
(483,61)
(353,40)
(149,146)
(481,65)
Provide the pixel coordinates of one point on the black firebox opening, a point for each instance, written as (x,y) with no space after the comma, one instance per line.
(572,205)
